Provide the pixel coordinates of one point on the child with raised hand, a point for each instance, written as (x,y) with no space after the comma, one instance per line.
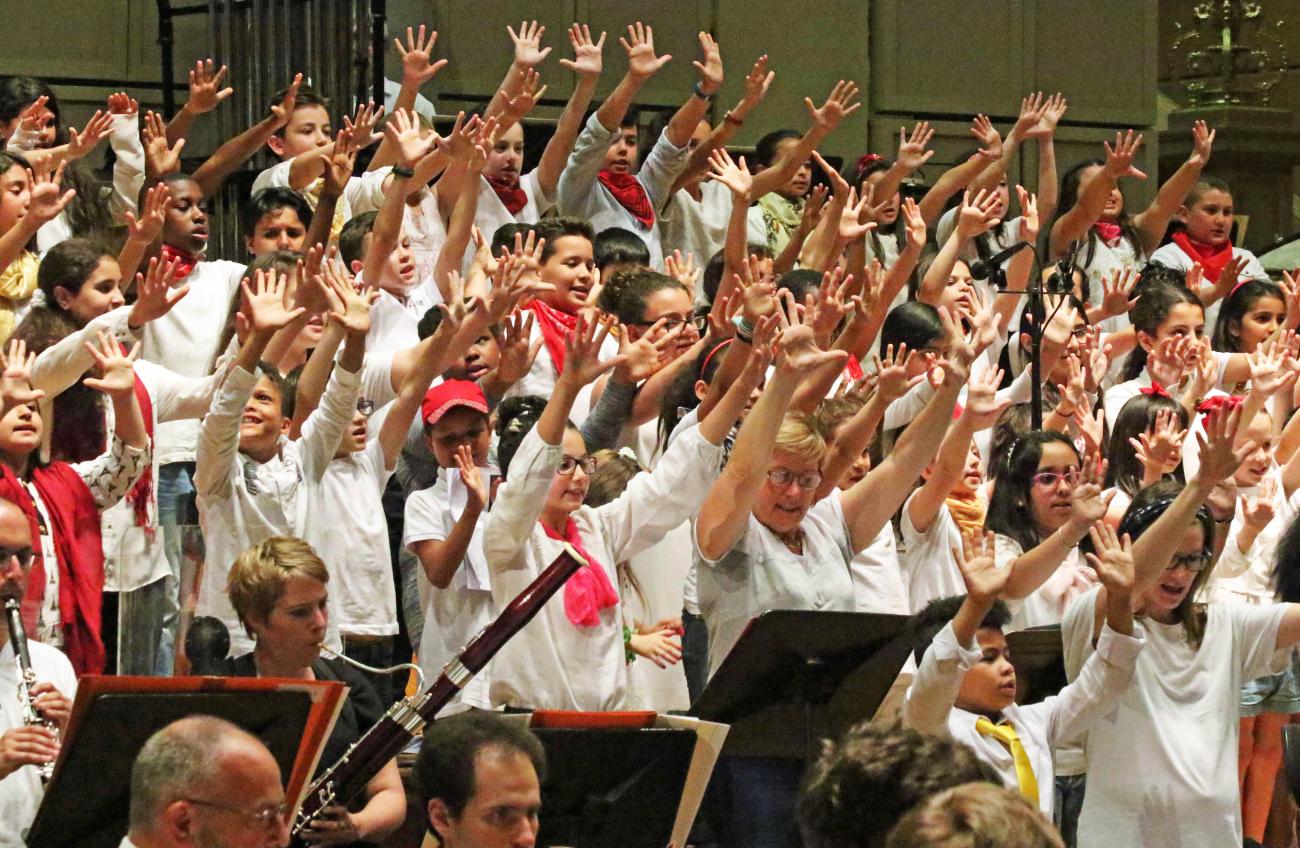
(601,181)
(950,498)
(965,685)
(1161,771)
(63,501)
(1145,447)
(571,655)
(29,199)
(1045,497)
(251,481)
(1096,228)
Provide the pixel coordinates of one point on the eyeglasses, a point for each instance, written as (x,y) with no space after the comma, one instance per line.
(1080,333)
(267,817)
(1048,479)
(366,407)
(1194,563)
(23,555)
(570,463)
(783,477)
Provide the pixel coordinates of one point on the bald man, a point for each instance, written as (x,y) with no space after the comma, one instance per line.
(22,748)
(201,782)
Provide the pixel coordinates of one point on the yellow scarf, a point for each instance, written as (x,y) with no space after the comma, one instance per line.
(313,192)
(968,511)
(17,284)
(780,219)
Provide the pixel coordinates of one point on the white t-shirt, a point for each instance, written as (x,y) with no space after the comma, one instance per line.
(1006,235)
(927,561)
(1162,772)
(491,214)
(878,584)
(760,573)
(185,341)
(393,324)
(1121,393)
(698,227)
(21,792)
(349,531)
(1247,576)
(1047,605)
(453,615)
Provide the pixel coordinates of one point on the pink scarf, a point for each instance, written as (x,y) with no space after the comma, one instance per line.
(588,591)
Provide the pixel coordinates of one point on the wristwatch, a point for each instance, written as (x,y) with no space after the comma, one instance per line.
(700,93)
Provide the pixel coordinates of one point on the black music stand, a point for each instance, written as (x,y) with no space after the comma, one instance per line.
(796,676)
(1039,658)
(86,803)
(613,788)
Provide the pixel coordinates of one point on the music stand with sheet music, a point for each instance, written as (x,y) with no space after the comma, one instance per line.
(86,802)
(1039,659)
(796,676)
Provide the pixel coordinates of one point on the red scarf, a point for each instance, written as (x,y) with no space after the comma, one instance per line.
(186,262)
(588,591)
(1108,232)
(853,368)
(511,195)
(142,492)
(631,195)
(75,528)
(555,327)
(1212,258)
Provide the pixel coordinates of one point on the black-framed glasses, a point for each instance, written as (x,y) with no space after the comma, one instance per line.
(782,477)
(699,322)
(1194,563)
(23,555)
(571,463)
(267,817)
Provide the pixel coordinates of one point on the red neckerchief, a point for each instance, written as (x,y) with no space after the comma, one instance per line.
(510,194)
(630,194)
(142,492)
(1108,232)
(1218,402)
(186,262)
(555,327)
(588,591)
(853,368)
(75,529)
(1212,258)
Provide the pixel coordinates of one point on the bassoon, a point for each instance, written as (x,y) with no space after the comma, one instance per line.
(406,719)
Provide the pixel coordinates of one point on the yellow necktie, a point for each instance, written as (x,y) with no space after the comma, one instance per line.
(1006,734)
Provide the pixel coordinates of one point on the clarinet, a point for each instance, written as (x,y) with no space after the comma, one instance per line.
(406,719)
(26,680)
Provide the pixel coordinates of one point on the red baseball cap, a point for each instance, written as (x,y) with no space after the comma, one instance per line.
(450,394)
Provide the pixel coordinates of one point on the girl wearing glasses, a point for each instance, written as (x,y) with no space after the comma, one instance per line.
(571,656)
(1045,497)
(1161,769)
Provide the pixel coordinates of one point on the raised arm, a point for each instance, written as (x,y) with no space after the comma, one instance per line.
(839,104)
(44,206)
(418,68)
(412,144)
(206,94)
(1074,223)
(725,512)
(229,156)
(757,83)
(1152,221)
(976,215)
(586,64)
(911,156)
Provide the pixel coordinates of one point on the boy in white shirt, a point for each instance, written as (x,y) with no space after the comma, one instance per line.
(252,482)
(601,182)
(966,686)
(444,529)
(304,145)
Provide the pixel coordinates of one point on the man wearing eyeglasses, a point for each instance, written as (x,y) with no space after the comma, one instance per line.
(23,749)
(201,782)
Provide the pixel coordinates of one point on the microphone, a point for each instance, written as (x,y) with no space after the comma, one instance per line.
(981,269)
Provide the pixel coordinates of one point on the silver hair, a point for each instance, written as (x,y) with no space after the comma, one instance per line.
(177,762)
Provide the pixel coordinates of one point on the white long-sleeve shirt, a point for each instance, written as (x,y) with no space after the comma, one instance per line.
(581,194)
(929,704)
(552,663)
(242,502)
(128,178)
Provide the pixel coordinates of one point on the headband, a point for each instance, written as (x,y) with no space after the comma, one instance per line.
(708,357)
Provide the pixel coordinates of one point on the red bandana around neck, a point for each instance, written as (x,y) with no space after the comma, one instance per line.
(630,194)
(142,492)
(512,197)
(555,326)
(1212,258)
(588,591)
(79,548)
(1108,232)
(186,261)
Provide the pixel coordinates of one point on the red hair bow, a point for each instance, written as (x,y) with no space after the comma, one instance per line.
(1218,402)
(1154,390)
(866,159)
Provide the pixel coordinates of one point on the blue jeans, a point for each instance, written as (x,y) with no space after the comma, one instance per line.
(695,654)
(176,511)
(1069,803)
(754,801)
(133,628)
